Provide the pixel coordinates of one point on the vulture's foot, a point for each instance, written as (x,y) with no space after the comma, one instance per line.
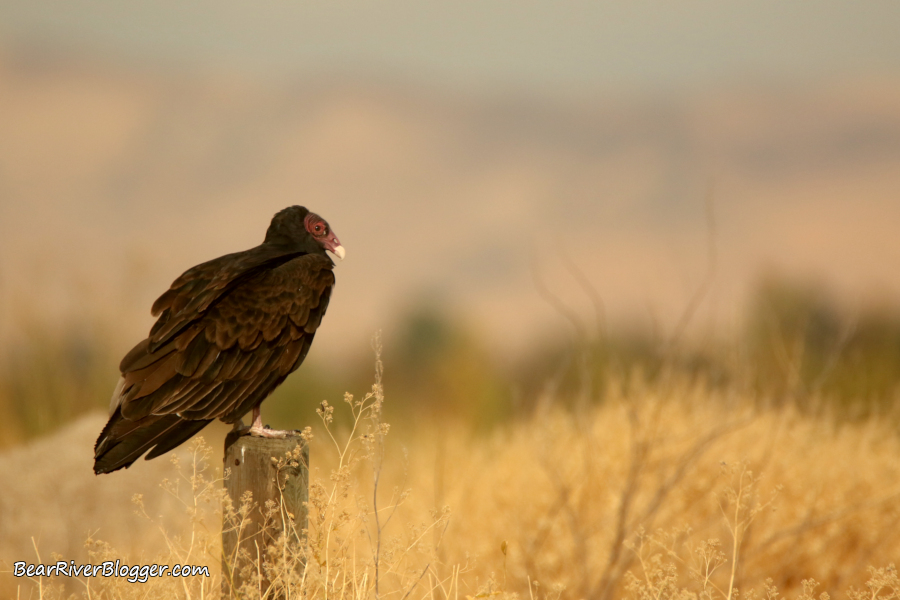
(259,430)
(269,433)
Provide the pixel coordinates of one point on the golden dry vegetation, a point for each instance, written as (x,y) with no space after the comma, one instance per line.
(665,490)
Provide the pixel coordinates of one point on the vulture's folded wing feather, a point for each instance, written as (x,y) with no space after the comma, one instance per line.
(200,287)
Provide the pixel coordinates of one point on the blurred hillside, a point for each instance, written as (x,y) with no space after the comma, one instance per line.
(114,179)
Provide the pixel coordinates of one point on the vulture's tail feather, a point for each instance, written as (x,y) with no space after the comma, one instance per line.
(178,436)
(122,441)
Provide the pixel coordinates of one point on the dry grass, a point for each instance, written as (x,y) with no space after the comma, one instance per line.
(667,490)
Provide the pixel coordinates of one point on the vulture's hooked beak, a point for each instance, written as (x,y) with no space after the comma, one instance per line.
(333,245)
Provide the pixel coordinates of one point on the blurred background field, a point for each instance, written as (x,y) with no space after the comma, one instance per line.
(553,212)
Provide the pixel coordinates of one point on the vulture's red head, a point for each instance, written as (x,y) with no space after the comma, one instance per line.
(298,228)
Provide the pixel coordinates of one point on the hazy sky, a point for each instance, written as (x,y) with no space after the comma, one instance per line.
(542,45)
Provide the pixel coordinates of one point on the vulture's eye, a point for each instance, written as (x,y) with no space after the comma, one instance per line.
(319,228)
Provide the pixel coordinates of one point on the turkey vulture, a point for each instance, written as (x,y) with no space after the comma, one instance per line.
(229,331)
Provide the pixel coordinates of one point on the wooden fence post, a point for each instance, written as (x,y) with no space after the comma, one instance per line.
(253,469)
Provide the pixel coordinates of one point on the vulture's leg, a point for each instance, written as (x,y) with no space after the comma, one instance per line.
(257,428)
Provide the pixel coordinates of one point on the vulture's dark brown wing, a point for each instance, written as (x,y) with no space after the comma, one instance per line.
(225,338)
(199,287)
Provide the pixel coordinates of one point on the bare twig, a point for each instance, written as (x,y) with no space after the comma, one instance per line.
(702,290)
